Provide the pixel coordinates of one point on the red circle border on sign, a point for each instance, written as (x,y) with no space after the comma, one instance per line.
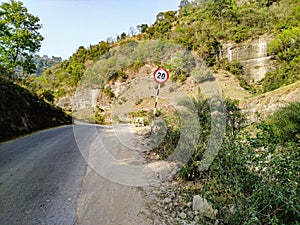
(163,70)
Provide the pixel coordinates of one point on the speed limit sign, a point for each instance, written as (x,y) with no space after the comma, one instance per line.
(161,75)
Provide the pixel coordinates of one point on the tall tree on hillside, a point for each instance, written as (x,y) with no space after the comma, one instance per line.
(19,36)
(142,28)
(221,10)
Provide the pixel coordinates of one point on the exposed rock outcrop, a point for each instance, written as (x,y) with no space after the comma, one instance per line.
(253,55)
(203,207)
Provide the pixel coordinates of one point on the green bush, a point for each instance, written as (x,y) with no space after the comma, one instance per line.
(47,95)
(108,92)
(255,179)
(98,119)
(286,49)
(234,122)
(236,68)
(286,46)
(286,122)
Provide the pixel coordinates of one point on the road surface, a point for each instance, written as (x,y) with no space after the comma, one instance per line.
(40,178)
(44,179)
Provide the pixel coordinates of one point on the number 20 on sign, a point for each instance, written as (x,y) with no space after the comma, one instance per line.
(161,75)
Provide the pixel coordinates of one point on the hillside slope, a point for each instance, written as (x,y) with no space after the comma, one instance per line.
(260,50)
(22,112)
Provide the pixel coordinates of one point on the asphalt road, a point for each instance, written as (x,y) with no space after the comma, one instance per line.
(41,176)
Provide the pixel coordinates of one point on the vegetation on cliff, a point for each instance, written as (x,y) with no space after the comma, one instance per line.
(23,112)
(202,26)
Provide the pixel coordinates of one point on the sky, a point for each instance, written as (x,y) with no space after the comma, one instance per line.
(68,24)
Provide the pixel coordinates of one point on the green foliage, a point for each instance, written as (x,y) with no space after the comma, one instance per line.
(183,4)
(170,16)
(146,115)
(163,25)
(168,144)
(140,113)
(288,73)
(255,178)
(286,48)
(117,74)
(235,119)
(200,26)
(254,186)
(286,122)
(19,36)
(212,51)
(22,112)
(107,91)
(98,117)
(43,63)
(178,75)
(170,136)
(234,122)
(142,28)
(236,68)
(63,78)
(40,64)
(47,95)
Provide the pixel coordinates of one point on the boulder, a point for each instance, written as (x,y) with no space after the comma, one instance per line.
(204,207)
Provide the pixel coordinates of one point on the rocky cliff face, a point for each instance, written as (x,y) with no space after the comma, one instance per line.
(87,101)
(83,98)
(252,55)
(82,103)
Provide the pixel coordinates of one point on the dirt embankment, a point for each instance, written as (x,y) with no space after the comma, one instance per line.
(22,112)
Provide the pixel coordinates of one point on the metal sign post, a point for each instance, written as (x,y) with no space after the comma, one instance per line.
(161,76)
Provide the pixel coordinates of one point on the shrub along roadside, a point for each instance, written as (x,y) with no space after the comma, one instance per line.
(254,180)
(255,177)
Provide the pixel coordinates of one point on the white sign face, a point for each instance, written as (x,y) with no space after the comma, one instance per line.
(161,75)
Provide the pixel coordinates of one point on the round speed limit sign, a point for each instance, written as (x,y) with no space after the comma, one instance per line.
(161,75)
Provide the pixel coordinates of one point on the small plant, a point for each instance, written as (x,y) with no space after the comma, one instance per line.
(47,95)
(107,91)
(98,116)
(99,119)
(141,114)
(236,68)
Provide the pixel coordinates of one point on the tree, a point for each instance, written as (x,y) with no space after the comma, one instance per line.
(19,36)
(142,28)
(221,10)
(170,15)
(131,32)
(183,3)
(160,17)
(123,36)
